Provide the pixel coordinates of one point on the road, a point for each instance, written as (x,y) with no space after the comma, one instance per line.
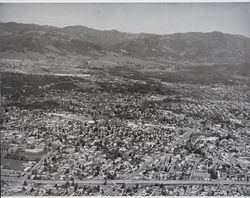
(161,165)
(188,190)
(126,180)
(130,182)
(187,134)
(37,164)
(110,191)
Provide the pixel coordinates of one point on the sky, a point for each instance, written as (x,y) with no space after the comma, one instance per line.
(159,18)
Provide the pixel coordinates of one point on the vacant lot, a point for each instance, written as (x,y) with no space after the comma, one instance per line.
(12,164)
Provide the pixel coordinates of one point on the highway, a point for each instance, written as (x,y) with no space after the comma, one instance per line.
(129,182)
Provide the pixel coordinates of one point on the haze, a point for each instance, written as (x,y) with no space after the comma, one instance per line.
(160,18)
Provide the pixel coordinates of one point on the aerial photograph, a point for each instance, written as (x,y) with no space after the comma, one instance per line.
(125,99)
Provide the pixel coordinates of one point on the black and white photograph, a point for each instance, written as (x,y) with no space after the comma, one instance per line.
(125,98)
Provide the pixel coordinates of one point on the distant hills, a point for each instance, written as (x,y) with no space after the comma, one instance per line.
(34,41)
(42,40)
(213,47)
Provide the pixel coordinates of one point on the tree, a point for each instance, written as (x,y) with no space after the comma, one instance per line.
(164,193)
(73,182)
(76,187)
(32,190)
(25,183)
(49,191)
(53,159)
(213,173)
(67,184)
(35,177)
(123,186)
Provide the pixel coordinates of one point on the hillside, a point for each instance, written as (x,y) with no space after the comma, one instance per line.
(105,38)
(41,41)
(30,41)
(213,47)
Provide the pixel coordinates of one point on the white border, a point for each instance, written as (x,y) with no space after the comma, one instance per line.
(124,1)
(119,1)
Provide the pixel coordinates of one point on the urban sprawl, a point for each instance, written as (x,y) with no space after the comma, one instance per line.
(106,134)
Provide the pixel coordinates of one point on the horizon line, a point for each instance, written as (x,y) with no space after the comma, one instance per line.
(61,27)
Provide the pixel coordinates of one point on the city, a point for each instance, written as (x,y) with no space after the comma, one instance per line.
(103,112)
(98,143)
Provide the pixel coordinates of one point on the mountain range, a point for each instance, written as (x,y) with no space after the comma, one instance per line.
(34,41)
